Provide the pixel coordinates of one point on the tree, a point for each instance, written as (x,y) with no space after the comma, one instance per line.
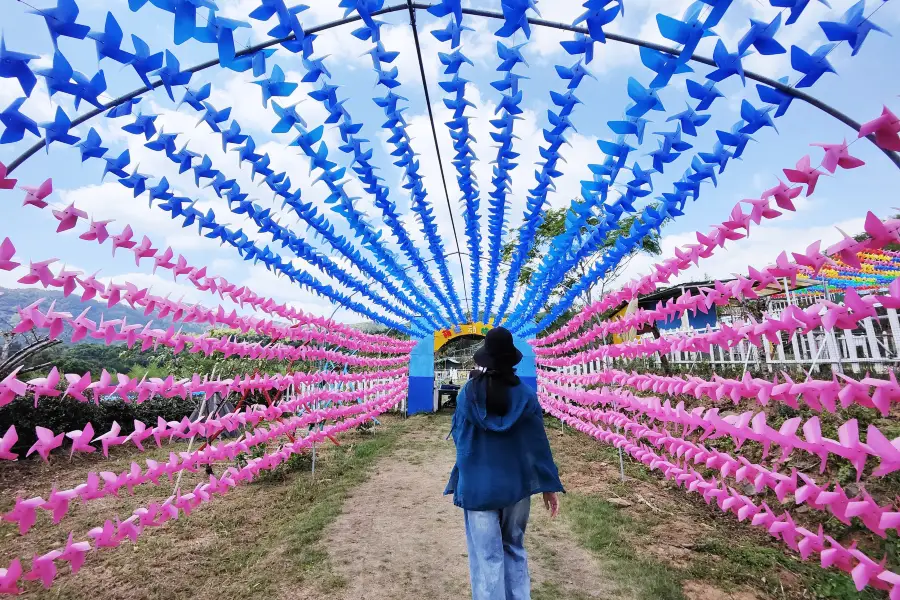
(554,225)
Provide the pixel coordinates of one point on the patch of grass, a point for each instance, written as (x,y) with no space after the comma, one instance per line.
(604,529)
(319,501)
(548,590)
(740,561)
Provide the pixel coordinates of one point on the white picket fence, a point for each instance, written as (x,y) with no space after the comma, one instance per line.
(874,346)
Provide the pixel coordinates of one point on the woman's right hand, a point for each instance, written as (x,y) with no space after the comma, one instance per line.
(551,503)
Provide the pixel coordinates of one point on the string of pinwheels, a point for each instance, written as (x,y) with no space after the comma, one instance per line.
(346,253)
(852,28)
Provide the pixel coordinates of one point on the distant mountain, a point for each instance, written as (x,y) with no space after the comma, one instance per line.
(13,299)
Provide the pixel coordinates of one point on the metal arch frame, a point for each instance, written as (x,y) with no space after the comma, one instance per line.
(786,89)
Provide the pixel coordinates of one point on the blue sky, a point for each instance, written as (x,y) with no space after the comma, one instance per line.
(862,85)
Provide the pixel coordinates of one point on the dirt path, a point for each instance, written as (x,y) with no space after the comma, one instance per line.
(399,537)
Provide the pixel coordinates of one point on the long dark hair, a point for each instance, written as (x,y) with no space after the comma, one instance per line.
(494,386)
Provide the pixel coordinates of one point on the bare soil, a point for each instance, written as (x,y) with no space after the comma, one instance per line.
(399,537)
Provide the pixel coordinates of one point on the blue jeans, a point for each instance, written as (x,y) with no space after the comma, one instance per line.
(498,565)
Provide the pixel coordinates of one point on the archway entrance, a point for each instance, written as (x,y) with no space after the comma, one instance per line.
(458,343)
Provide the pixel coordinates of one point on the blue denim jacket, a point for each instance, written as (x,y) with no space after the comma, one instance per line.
(500,459)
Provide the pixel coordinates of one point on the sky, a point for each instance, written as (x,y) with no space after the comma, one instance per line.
(863,84)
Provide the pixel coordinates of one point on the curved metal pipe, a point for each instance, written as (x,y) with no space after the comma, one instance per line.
(811,100)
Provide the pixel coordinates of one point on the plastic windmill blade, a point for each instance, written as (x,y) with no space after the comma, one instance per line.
(16,123)
(60,21)
(853,27)
(727,64)
(7,442)
(68,217)
(838,155)
(35,195)
(15,65)
(804,172)
(46,442)
(783,195)
(24,513)
(812,66)
(761,36)
(7,252)
(885,127)
(9,578)
(58,503)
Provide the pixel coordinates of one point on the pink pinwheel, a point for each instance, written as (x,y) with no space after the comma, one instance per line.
(90,489)
(140,433)
(7,251)
(92,287)
(43,568)
(721,234)
(82,326)
(77,385)
(106,330)
(147,515)
(112,482)
(40,272)
(865,570)
(804,172)
(111,438)
(123,240)
(7,442)
(739,220)
(46,442)
(96,232)
(68,217)
(81,439)
(11,387)
(163,260)
(888,451)
(128,528)
(134,477)
(105,536)
(760,210)
(838,155)
(9,578)
(30,317)
(24,513)
(45,386)
(74,553)
(813,258)
(134,295)
(55,321)
(102,387)
(5,183)
(783,195)
(847,250)
(143,250)
(887,391)
(67,281)
(58,503)
(181,267)
(882,232)
(885,127)
(35,195)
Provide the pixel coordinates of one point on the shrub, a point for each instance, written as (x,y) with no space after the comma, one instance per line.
(65,414)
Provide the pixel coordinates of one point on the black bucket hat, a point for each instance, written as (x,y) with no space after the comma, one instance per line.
(498,351)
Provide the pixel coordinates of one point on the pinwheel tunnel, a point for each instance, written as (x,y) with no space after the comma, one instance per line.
(767,392)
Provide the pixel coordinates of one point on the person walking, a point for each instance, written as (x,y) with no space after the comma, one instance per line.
(503,458)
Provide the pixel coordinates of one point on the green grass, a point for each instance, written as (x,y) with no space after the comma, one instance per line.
(725,554)
(302,508)
(603,529)
(319,501)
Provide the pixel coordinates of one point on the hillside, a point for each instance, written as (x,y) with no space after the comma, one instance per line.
(13,299)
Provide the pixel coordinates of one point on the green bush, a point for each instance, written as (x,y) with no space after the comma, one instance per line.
(62,415)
